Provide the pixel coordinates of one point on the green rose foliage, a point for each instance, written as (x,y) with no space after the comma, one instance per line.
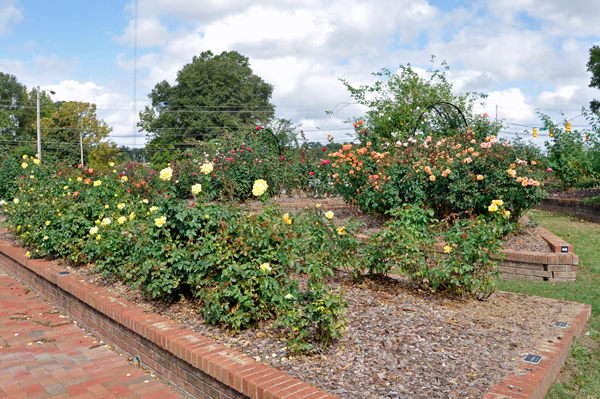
(468,264)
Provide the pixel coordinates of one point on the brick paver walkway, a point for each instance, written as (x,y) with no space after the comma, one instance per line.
(43,354)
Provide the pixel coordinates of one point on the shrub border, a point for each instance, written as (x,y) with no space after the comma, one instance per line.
(202,367)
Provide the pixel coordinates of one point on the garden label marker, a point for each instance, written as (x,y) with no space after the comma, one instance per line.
(533,359)
(561,324)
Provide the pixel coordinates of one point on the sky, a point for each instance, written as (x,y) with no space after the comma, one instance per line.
(526,55)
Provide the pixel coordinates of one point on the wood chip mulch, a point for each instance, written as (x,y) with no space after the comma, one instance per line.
(400,342)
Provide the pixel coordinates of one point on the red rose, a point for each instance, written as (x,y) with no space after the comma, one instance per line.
(311,173)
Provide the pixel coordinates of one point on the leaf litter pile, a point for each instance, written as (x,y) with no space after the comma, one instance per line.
(400,342)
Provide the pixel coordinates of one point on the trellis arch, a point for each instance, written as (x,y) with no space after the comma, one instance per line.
(255,131)
(447,112)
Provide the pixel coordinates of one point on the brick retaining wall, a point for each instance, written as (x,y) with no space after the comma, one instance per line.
(571,206)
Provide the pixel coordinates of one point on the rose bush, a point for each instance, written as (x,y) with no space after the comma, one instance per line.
(167,249)
(449,175)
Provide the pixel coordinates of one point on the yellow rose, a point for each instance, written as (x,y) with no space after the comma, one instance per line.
(265,267)
(259,188)
(159,222)
(329,215)
(206,168)
(447,249)
(196,189)
(493,208)
(166,174)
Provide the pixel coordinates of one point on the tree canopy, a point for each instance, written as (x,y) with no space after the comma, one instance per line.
(61,130)
(403,102)
(212,95)
(593,66)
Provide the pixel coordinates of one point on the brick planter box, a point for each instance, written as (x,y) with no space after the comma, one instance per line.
(540,266)
(571,206)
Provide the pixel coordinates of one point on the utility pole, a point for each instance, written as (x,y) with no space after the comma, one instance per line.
(496,115)
(39,134)
(81,147)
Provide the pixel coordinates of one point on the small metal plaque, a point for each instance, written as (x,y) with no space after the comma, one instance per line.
(561,324)
(533,359)
(63,273)
(564,248)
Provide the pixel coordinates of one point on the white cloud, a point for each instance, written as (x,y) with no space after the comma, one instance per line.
(10,16)
(150,33)
(513,49)
(42,69)
(512,106)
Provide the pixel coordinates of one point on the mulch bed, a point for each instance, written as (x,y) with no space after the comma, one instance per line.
(400,343)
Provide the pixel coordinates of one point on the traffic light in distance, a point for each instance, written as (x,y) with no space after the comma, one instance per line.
(534,132)
(568,126)
(587,137)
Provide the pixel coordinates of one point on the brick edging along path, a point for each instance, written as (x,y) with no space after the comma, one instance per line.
(203,367)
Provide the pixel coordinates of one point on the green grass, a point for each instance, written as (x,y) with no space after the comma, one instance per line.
(580,377)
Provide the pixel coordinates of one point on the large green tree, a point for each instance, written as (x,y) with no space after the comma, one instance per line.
(18,112)
(593,66)
(212,94)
